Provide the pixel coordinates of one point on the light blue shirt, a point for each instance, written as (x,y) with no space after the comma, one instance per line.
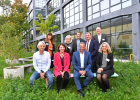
(41,62)
(78,42)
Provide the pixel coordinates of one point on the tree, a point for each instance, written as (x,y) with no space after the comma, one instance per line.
(18,16)
(10,45)
(5,5)
(45,26)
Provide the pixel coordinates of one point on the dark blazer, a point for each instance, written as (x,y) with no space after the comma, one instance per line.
(93,49)
(75,44)
(77,63)
(110,63)
(104,38)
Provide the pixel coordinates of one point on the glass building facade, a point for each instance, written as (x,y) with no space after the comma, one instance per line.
(118,19)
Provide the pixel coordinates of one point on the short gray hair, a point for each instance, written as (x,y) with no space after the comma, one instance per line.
(40,42)
(68,36)
(108,47)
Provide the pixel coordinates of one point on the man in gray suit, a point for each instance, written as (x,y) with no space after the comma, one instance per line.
(99,37)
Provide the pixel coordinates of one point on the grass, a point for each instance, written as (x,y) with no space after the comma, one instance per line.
(124,87)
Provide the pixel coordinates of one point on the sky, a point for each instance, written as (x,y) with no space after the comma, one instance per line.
(24,1)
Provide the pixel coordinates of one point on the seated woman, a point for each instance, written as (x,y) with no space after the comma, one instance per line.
(104,66)
(61,66)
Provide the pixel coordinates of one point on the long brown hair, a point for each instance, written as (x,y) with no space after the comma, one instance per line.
(47,40)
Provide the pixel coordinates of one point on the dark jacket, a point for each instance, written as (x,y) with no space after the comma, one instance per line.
(93,49)
(74,41)
(69,49)
(104,38)
(110,63)
(77,63)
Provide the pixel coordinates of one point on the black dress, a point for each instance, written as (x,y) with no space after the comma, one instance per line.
(107,69)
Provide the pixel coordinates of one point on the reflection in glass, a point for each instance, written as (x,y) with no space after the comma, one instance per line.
(77,17)
(76,9)
(115,8)
(89,29)
(89,11)
(96,15)
(104,12)
(96,8)
(89,3)
(127,24)
(40,11)
(104,4)
(126,4)
(113,2)
(94,1)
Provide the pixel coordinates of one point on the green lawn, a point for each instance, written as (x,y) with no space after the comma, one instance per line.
(124,87)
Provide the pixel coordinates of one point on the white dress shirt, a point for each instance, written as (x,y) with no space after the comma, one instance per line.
(99,38)
(41,62)
(88,44)
(82,59)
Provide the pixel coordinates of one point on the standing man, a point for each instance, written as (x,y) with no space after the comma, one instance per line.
(81,61)
(41,63)
(92,47)
(77,41)
(99,37)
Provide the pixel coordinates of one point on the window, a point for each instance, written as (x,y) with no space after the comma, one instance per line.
(73,13)
(57,21)
(40,3)
(97,8)
(72,33)
(119,32)
(40,11)
(53,4)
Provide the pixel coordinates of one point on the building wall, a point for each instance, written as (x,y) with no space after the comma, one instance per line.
(89,15)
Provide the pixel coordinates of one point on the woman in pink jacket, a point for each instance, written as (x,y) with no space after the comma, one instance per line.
(61,66)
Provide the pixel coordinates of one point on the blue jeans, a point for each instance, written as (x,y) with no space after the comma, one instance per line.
(89,77)
(47,75)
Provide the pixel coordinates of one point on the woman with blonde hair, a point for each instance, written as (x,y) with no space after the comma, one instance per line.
(104,66)
(69,45)
(50,47)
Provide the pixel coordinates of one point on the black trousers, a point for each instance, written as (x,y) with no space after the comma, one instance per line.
(66,80)
(93,67)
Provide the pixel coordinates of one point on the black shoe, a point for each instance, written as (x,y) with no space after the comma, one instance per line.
(81,93)
(82,85)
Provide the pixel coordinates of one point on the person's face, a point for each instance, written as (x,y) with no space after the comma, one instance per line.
(98,30)
(104,47)
(68,40)
(41,47)
(88,36)
(82,47)
(49,37)
(62,48)
(78,35)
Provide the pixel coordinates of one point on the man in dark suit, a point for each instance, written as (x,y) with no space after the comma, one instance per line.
(81,61)
(99,37)
(92,47)
(77,41)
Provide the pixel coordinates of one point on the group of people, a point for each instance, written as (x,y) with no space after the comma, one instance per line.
(87,57)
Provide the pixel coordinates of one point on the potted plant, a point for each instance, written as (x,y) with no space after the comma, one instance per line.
(10,45)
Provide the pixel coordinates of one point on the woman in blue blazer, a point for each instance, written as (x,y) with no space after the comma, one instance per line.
(104,66)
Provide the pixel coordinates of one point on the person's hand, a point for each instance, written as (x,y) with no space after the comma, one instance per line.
(42,75)
(62,73)
(84,72)
(100,69)
(81,72)
(51,48)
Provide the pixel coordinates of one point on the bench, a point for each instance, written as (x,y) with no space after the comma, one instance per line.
(28,67)
(114,75)
(24,60)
